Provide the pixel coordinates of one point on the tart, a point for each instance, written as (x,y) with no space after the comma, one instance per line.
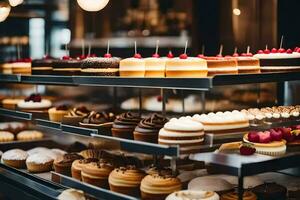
(10,103)
(76,115)
(35,104)
(56,114)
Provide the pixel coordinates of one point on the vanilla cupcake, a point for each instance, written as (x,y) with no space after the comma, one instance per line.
(158,187)
(15,158)
(126,180)
(6,136)
(39,162)
(193,195)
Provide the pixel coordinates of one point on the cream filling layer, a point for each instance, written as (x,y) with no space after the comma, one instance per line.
(180,141)
(224,127)
(122,182)
(132,68)
(159,190)
(166,133)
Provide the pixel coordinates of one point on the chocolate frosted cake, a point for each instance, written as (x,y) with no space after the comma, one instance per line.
(125,124)
(100,66)
(148,128)
(270,191)
(42,66)
(67,66)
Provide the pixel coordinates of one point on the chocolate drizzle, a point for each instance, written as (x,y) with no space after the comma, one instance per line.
(151,124)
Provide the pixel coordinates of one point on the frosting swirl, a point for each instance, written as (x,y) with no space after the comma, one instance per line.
(128,176)
(151,124)
(127,120)
(98,118)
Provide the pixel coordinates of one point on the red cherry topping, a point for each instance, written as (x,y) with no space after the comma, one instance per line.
(249,54)
(260,52)
(159,98)
(81,57)
(219,56)
(296,49)
(281,50)
(107,55)
(66,58)
(247,149)
(34,98)
(266,51)
(156,55)
(244,54)
(183,56)
(46,57)
(235,55)
(137,55)
(201,56)
(27,60)
(274,50)
(289,51)
(170,55)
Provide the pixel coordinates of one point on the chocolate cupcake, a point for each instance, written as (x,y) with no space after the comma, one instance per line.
(67,66)
(101,121)
(125,124)
(42,66)
(63,165)
(76,115)
(148,128)
(270,191)
(100,66)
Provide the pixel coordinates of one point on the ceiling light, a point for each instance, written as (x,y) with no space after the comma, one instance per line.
(4,11)
(14,3)
(236,12)
(92,5)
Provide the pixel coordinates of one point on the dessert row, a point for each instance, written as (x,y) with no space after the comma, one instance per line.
(156,66)
(122,174)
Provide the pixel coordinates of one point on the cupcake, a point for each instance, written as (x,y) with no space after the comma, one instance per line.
(270,191)
(30,135)
(56,114)
(77,166)
(158,170)
(101,121)
(76,115)
(124,125)
(107,66)
(15,158)
(39,162)
(148,128)
(6,136)
(158,186)
(246,196)
(63,165)
(97,173)
(126,180)
(193,195)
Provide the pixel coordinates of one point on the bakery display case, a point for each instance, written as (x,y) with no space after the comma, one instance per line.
(157,101)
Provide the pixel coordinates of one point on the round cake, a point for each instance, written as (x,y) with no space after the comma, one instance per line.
(247,64)
(100,66)
(34,102)
(193,195)
(67,66)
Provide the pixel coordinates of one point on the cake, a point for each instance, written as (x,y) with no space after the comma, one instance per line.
(247,195)
(193,195)
(15,158)
(10,103)
(280,60)
(71,194)
(270,191)
(267,143)
(132,67)
(97,173)
(34,103)
(148,128)
(106,66)
(22,66)
(158,186)
(221,65)
(186,67)
(124,125)
(76,115)
(248,64)
(56,114)
(185,132)
(42,66)
(39,162)
(207,183)
(63,164)
(223,122)
(6,136)
(30,135)
(67,66)
(101,121)
(126,180)
(77,166)
(155,67)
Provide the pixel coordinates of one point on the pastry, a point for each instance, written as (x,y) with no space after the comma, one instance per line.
(63,164)
(71,194)
(234,196)
(10,103)
(148,128)
(248,64)
(39,162)
(6,136)
(221,65)
(96,173)
(125,124)
(56,114)
(132,67)
(220,123)
(193,195)
(22,66)
(186,67)
(207,183)
(107,66)
(155,67)
(185,132)
(13,127)
(158,186)
(42,66)
(270,191)
(101,121)
(67,66)
(15,158)
(280,60)
(35,103)
(266,143)
(76,115)
(77,166)
(126,180)
(30,135)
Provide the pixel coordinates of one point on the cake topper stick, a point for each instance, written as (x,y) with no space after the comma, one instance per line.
(18,51)
(203,49)
(185,48)
(90,48)
(248,49)
(46,48)
(266,46)
(135,48)
(67,50)
(82,47)
(157,45)
(221,50)
(281,42)
(235,50)
(108,45)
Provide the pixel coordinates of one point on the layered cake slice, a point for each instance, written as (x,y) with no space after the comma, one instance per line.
(248,64)
(221,65)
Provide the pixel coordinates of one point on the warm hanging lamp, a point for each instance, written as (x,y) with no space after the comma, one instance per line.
(14,3)
(4,11)
(92,5)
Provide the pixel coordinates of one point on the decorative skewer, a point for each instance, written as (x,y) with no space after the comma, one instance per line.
(107,55)
(136,54)
(184,55)
(220,51)
(156,55)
